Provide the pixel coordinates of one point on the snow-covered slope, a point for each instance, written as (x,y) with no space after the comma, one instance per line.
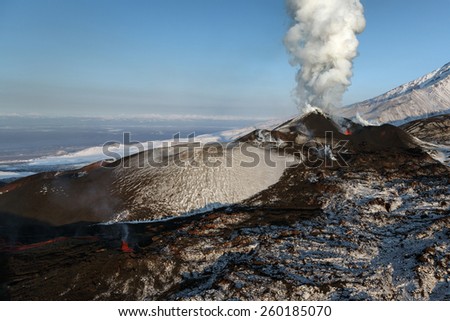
(180,180)
(425,96)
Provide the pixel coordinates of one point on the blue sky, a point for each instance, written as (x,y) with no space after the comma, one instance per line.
(207,57)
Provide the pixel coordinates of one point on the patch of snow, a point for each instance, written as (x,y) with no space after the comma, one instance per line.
(82,174)
(7,175)
(441,153)
(44,190)
(233,134)
(328,153)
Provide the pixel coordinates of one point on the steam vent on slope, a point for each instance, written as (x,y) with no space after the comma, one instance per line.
(341,211)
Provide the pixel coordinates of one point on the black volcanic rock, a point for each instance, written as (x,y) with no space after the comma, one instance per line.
(382,138)
(434,129)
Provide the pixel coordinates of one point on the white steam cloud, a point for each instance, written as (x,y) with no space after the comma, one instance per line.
(322,41)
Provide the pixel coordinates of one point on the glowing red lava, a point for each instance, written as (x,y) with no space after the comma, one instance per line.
(125,248)
(39,244)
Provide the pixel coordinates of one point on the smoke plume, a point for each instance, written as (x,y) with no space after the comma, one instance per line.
(322,42)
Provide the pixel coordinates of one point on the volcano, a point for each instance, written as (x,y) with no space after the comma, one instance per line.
(341,211)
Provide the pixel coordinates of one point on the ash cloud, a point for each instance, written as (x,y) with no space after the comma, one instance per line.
(322,42)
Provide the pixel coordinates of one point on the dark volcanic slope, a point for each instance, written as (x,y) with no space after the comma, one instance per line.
(63,198)
(433,130)
(59,198)
(381,139)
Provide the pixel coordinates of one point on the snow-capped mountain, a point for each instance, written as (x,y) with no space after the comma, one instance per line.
(420,98)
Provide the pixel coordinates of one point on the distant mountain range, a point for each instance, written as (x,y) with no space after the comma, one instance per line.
(420,98)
